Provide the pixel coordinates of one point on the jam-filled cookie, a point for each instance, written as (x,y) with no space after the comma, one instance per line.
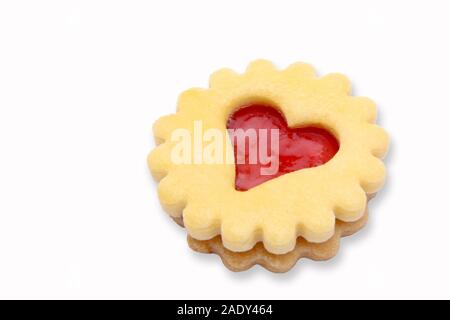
(269,166)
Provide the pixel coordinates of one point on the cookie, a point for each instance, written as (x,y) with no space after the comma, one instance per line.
(268,156)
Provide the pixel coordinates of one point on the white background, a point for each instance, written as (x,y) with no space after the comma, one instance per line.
(81,83)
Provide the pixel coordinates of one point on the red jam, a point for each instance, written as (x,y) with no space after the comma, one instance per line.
(298,148)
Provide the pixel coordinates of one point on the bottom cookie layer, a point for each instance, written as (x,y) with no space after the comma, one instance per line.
(240,261)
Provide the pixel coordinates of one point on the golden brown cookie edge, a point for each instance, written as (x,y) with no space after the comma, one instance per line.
(241,261)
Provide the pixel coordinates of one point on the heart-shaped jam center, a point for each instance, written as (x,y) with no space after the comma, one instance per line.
(266,148)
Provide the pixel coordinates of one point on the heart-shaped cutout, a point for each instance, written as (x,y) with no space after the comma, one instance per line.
(260,158)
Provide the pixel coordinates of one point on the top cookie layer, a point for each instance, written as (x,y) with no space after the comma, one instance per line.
(302,203)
